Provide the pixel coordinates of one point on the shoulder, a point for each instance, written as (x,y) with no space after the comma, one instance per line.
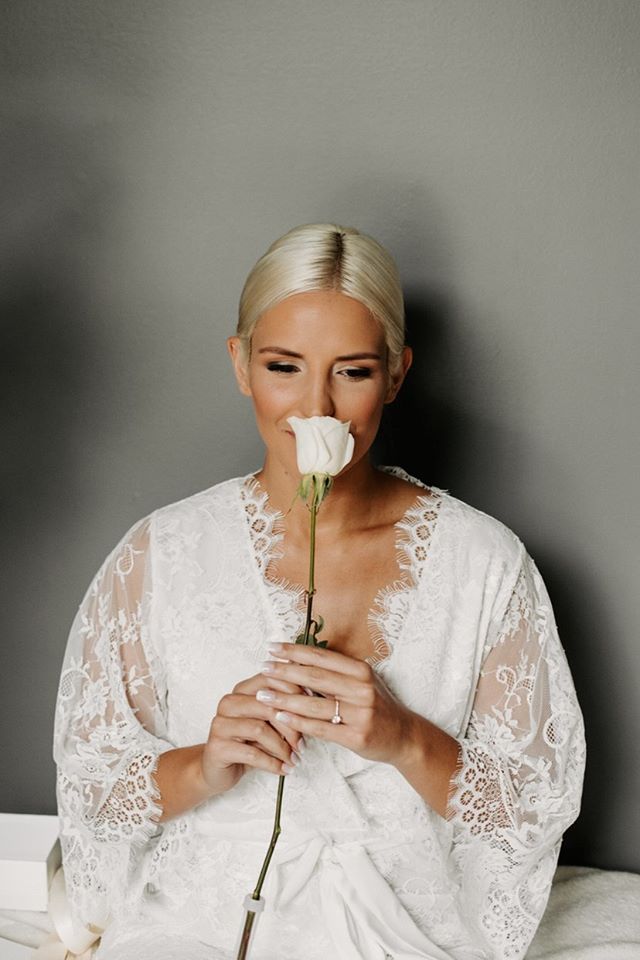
(215,505)
(464,529)
(211,502)
(482,556)
(480,532)
(173,534)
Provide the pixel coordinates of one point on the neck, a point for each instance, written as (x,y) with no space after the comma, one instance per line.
(348,506)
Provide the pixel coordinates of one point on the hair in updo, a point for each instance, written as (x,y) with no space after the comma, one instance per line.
(325,256)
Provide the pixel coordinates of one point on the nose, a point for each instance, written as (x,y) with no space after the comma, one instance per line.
(318,399)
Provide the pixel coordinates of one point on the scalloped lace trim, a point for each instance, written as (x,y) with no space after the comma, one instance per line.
(266,529)
(132,808)
(390,606)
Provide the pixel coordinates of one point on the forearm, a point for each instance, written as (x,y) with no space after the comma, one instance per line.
(180,781)
(429,761)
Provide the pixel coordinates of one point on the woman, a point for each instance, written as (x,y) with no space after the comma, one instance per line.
(428,822)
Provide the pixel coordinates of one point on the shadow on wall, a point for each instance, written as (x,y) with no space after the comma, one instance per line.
(58,185)
(47,368)
(431,429)
(50,371)
(430,433)
(57,176)
(419,431)
(582,630)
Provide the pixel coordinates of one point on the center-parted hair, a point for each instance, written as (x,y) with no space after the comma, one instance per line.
(325,256)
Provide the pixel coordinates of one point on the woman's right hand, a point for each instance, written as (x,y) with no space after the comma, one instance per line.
(245,734)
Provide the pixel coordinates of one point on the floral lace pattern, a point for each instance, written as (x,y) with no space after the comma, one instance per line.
(391,606)
(130,803)
(266,531)
(183,608)
(517,783)
(109,722)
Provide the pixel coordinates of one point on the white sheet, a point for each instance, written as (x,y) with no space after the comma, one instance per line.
(591,915)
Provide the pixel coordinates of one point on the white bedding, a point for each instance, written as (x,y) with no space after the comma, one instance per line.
(591,915)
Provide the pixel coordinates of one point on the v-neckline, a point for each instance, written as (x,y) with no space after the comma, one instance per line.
(391,606)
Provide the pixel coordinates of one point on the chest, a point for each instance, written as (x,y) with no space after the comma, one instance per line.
(227,588)
(350,580)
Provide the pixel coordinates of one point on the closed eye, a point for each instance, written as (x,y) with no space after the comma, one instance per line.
(280,367)
(356,373)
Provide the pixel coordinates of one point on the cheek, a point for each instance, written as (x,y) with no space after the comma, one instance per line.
(365,414)
(368,405)
(270,398)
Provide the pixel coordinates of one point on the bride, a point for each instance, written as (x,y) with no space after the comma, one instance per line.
(427,823)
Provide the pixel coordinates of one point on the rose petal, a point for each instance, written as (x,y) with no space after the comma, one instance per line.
(323,444)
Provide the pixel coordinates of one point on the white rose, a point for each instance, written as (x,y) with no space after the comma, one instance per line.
(323,444)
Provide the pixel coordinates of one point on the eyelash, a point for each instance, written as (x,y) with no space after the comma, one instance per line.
(281,367)
(354,373)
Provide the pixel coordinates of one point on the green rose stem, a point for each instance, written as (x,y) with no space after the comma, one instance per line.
(320,484)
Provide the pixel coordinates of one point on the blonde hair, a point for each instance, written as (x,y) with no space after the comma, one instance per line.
(325,256)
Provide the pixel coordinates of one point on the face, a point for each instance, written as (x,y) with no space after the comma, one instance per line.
(316,354)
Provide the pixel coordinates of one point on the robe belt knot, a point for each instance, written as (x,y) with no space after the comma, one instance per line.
(360,909)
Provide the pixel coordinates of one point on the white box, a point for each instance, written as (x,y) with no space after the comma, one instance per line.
(29,857)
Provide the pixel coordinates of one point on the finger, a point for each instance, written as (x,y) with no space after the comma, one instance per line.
(282,685)
(250,755)
(245,705)
(251,684)
(236,705)
(316,708)
(321,680)
(293,738)
(320,656)
(258,732)
(320,729)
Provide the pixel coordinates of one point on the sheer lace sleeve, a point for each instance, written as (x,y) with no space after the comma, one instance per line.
(109,730)
(519,778)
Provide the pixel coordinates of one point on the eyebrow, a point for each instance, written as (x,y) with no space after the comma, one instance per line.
(298,356)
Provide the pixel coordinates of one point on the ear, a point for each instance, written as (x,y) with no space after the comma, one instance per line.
(396,381)
(240,366)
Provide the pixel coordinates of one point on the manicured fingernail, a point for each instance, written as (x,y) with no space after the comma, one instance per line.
(294,757)
(265,696)
(286,768)
(274,649)
(267,666)
(302,746)
(283,717)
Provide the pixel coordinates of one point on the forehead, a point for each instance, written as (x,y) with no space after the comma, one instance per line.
(320,317)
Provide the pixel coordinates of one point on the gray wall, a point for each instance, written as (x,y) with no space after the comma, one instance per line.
(151,151)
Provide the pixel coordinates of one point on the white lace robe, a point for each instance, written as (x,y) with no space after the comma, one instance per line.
(183,609)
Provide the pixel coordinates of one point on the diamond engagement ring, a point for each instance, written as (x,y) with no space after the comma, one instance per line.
(336,718)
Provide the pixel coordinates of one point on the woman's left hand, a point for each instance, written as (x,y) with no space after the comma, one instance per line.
(374,724)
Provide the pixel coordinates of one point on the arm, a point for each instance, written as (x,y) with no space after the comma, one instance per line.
(110,730)
(243,734)
(118,774)
(509,786)
(518,782)
(376,725)
(180,781)
(429,761)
